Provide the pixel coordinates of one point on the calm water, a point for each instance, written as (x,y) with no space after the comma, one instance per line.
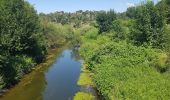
(56,82)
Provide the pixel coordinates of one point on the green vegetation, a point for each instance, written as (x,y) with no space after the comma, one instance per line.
(118,74)
(130,59)
(85,77)
(77,19)
(104,20)
(149,26)
(85,80)
(56,34)
(126,54)
(21,41)
(25,37)
(83,96)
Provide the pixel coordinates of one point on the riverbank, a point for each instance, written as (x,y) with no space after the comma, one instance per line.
(88,90)
(50,58)
(54,79)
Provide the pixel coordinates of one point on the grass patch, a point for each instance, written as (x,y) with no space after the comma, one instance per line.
(85,80)
(83,96)
(85,77)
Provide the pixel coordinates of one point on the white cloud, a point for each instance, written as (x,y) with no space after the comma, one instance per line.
(130,4)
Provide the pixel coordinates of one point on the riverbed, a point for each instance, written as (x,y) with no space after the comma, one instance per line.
(57,81)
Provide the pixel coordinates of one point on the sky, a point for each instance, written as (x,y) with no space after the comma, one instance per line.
(48,6)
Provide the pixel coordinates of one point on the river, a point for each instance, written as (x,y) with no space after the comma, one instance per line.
(55,82)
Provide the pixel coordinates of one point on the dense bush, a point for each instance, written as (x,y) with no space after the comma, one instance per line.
(124,71)
(149,26)
(104,20)
(14,68)
(119,30)
(92,33)
(164,6)
(21,40)
(19,28)
(54,34)
(167,43)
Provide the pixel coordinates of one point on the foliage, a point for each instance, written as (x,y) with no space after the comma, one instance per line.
(76,19)
(55,34)
(123,70)
(21,40)
(118,67)
(104,20)
(167,30)
(20,29)
(131,12)
(126,52)
(164,6)
(91,33)
(149,26)
(14,68)
(119,30)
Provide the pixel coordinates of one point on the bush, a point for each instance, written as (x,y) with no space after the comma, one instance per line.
(23,34)
(14,69)
(21,40)
(167,39)
(56,34)
(149,26)
(119,30)
(124,71)
(92,33)
(104,20)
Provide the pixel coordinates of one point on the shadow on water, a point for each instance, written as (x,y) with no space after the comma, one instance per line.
(54,82)
(62,77)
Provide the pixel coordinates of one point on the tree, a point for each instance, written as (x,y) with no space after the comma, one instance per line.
(131,12)
(149,26)
(164,7)
(104,20)
(118,30)
(20,30)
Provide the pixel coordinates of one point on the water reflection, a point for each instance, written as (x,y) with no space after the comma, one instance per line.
(55,82)
(62,77)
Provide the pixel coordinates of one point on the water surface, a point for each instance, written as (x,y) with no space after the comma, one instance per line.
(55,82)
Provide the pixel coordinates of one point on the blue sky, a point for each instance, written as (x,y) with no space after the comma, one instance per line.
(47,6)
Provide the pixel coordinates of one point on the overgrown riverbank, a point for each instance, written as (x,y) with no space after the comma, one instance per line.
(25,38)
(118,70)
(126,54)
(129,57)
(50,58)
(22,43)
(88,90)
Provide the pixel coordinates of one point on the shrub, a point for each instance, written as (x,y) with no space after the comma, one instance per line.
(14,68)
(124,71)
(92,33)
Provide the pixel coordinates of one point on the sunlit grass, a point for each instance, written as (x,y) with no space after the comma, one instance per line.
(85,77)
(83,96)
(85,80)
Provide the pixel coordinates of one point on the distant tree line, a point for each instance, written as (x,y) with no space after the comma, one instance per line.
(76,19)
